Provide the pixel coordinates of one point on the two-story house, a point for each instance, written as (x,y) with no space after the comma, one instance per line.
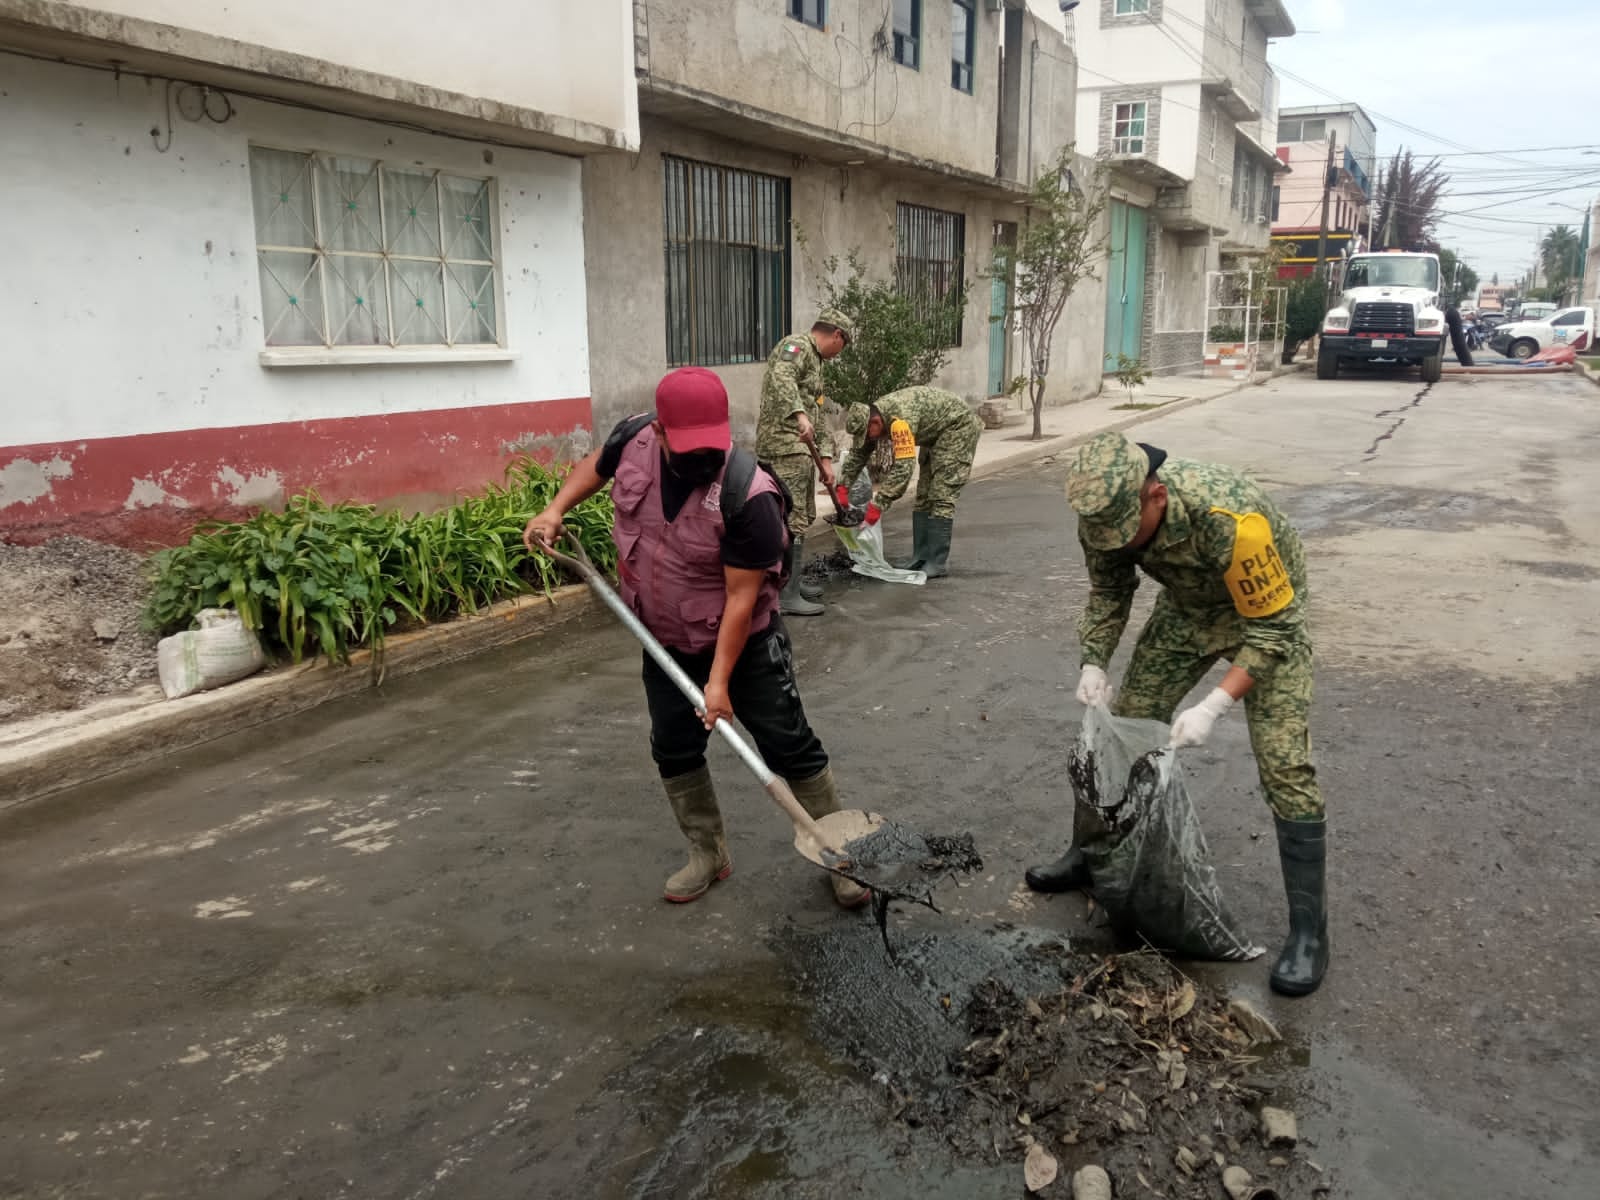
(1304,137)
(777,134)
(1177,97)
(258,248)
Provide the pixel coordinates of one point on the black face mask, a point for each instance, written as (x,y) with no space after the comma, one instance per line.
(698,467)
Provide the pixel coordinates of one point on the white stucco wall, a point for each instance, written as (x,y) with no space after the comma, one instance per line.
(139,305)
(568,59)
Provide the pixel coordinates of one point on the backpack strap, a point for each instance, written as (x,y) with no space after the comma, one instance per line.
(736,481)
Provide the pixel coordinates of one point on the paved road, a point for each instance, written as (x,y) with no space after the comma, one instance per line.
(409,945)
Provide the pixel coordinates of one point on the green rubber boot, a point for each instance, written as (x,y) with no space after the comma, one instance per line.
(694,803)
(1303,852)
(937,547)
(819,797)
(919,542)
(809,589)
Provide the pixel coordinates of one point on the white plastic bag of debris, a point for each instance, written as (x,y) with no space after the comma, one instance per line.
(1149,865)
(220,651)
(864,543)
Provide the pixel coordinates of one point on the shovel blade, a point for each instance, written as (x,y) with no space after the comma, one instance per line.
(838,830)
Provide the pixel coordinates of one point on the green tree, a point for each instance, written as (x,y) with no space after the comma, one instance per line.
(1054,254)
(1459,281)
(894,346)
(1307,302)
(1558,254)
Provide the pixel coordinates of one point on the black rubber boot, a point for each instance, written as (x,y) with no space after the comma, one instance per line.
(1303,851)
(1069,873)
(919,544)
(937,548)
(810,589)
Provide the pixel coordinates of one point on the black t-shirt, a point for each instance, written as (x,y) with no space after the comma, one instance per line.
(751,542)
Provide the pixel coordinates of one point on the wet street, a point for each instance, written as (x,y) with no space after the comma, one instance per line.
(411,944)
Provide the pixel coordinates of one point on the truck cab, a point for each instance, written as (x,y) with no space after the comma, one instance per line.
(1387,312)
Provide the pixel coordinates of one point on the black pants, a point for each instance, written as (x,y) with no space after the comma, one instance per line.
(765,700)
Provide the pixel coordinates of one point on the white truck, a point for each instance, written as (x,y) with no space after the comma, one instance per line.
(1519,339)
(1388,313)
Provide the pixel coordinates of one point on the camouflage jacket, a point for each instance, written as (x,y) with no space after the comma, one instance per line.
(1230,562)
(792,384)
(915,417)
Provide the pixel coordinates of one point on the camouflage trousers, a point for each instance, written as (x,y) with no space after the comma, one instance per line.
(1173,654)
(944,466)
(799,475)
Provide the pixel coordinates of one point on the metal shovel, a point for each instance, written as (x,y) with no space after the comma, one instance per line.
(820,840)
(844,514)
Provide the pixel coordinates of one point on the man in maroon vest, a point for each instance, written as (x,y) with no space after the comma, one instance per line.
(707,588)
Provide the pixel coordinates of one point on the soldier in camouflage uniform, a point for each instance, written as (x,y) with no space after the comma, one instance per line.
(791,421)
(933,429)
(1233,578)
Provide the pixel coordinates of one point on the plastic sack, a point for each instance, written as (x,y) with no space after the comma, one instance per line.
(219,652)
(864,543)
(1147,858)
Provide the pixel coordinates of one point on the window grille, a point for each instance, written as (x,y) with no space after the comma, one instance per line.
(930,266)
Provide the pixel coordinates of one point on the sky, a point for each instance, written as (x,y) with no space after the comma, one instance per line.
(1472,75)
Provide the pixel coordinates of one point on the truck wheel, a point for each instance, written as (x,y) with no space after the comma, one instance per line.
(1433,367)
(1327,364)
(1523,348)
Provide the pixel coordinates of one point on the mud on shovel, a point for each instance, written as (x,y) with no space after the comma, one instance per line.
(821,841)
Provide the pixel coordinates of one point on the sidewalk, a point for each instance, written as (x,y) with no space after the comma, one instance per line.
(61,750)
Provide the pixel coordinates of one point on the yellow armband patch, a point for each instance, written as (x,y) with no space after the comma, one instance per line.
(1257,579)
(905,442)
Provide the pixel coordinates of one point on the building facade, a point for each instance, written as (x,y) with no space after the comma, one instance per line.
(779,138)
(1305,136)
(1177,97)
(294,246)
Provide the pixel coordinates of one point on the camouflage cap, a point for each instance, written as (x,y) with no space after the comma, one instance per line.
(855,420)
(836,318)
(1103,486)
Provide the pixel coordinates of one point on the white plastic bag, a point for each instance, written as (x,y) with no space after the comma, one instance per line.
(1150,868)
(219,652)
(864,543)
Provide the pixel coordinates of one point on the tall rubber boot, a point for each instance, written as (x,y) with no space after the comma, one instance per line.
(936,558)
(792,601)
(819,797)
(1303,851)
(919,543)
(1070,872)
(694,803)
(808,589)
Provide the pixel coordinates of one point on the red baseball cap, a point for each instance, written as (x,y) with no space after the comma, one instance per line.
(692,406)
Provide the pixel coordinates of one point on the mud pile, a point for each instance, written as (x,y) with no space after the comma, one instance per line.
(993,1042)
(823,567)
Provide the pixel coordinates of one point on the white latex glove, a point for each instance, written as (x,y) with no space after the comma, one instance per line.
(1093,687)
(1193,725)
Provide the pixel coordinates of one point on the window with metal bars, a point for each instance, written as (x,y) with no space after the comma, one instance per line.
(727,263)
(358,252)
(930,266)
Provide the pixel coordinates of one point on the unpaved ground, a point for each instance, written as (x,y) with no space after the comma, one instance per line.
(69,625)
(410,944)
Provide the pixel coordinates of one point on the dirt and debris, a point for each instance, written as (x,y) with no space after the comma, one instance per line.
(69,625)
(997,1041)
(823,567)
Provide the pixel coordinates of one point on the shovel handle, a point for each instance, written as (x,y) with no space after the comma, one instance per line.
(846,516)
(776,786)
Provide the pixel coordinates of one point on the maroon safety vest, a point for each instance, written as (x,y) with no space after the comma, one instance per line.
(671,572)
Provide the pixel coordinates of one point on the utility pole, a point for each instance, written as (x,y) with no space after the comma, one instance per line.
(1327,194)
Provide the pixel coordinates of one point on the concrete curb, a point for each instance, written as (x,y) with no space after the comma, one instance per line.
(63,750)
(51,754)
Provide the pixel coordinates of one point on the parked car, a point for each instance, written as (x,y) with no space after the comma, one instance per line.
(1536,310)
(1573,327)
(1491,319)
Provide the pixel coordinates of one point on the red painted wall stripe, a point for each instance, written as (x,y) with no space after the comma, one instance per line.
(150,489)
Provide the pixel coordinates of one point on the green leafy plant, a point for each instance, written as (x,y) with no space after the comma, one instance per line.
(1225,333)
(897,344)
(1307,302)
(1130,373)
(329,578)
